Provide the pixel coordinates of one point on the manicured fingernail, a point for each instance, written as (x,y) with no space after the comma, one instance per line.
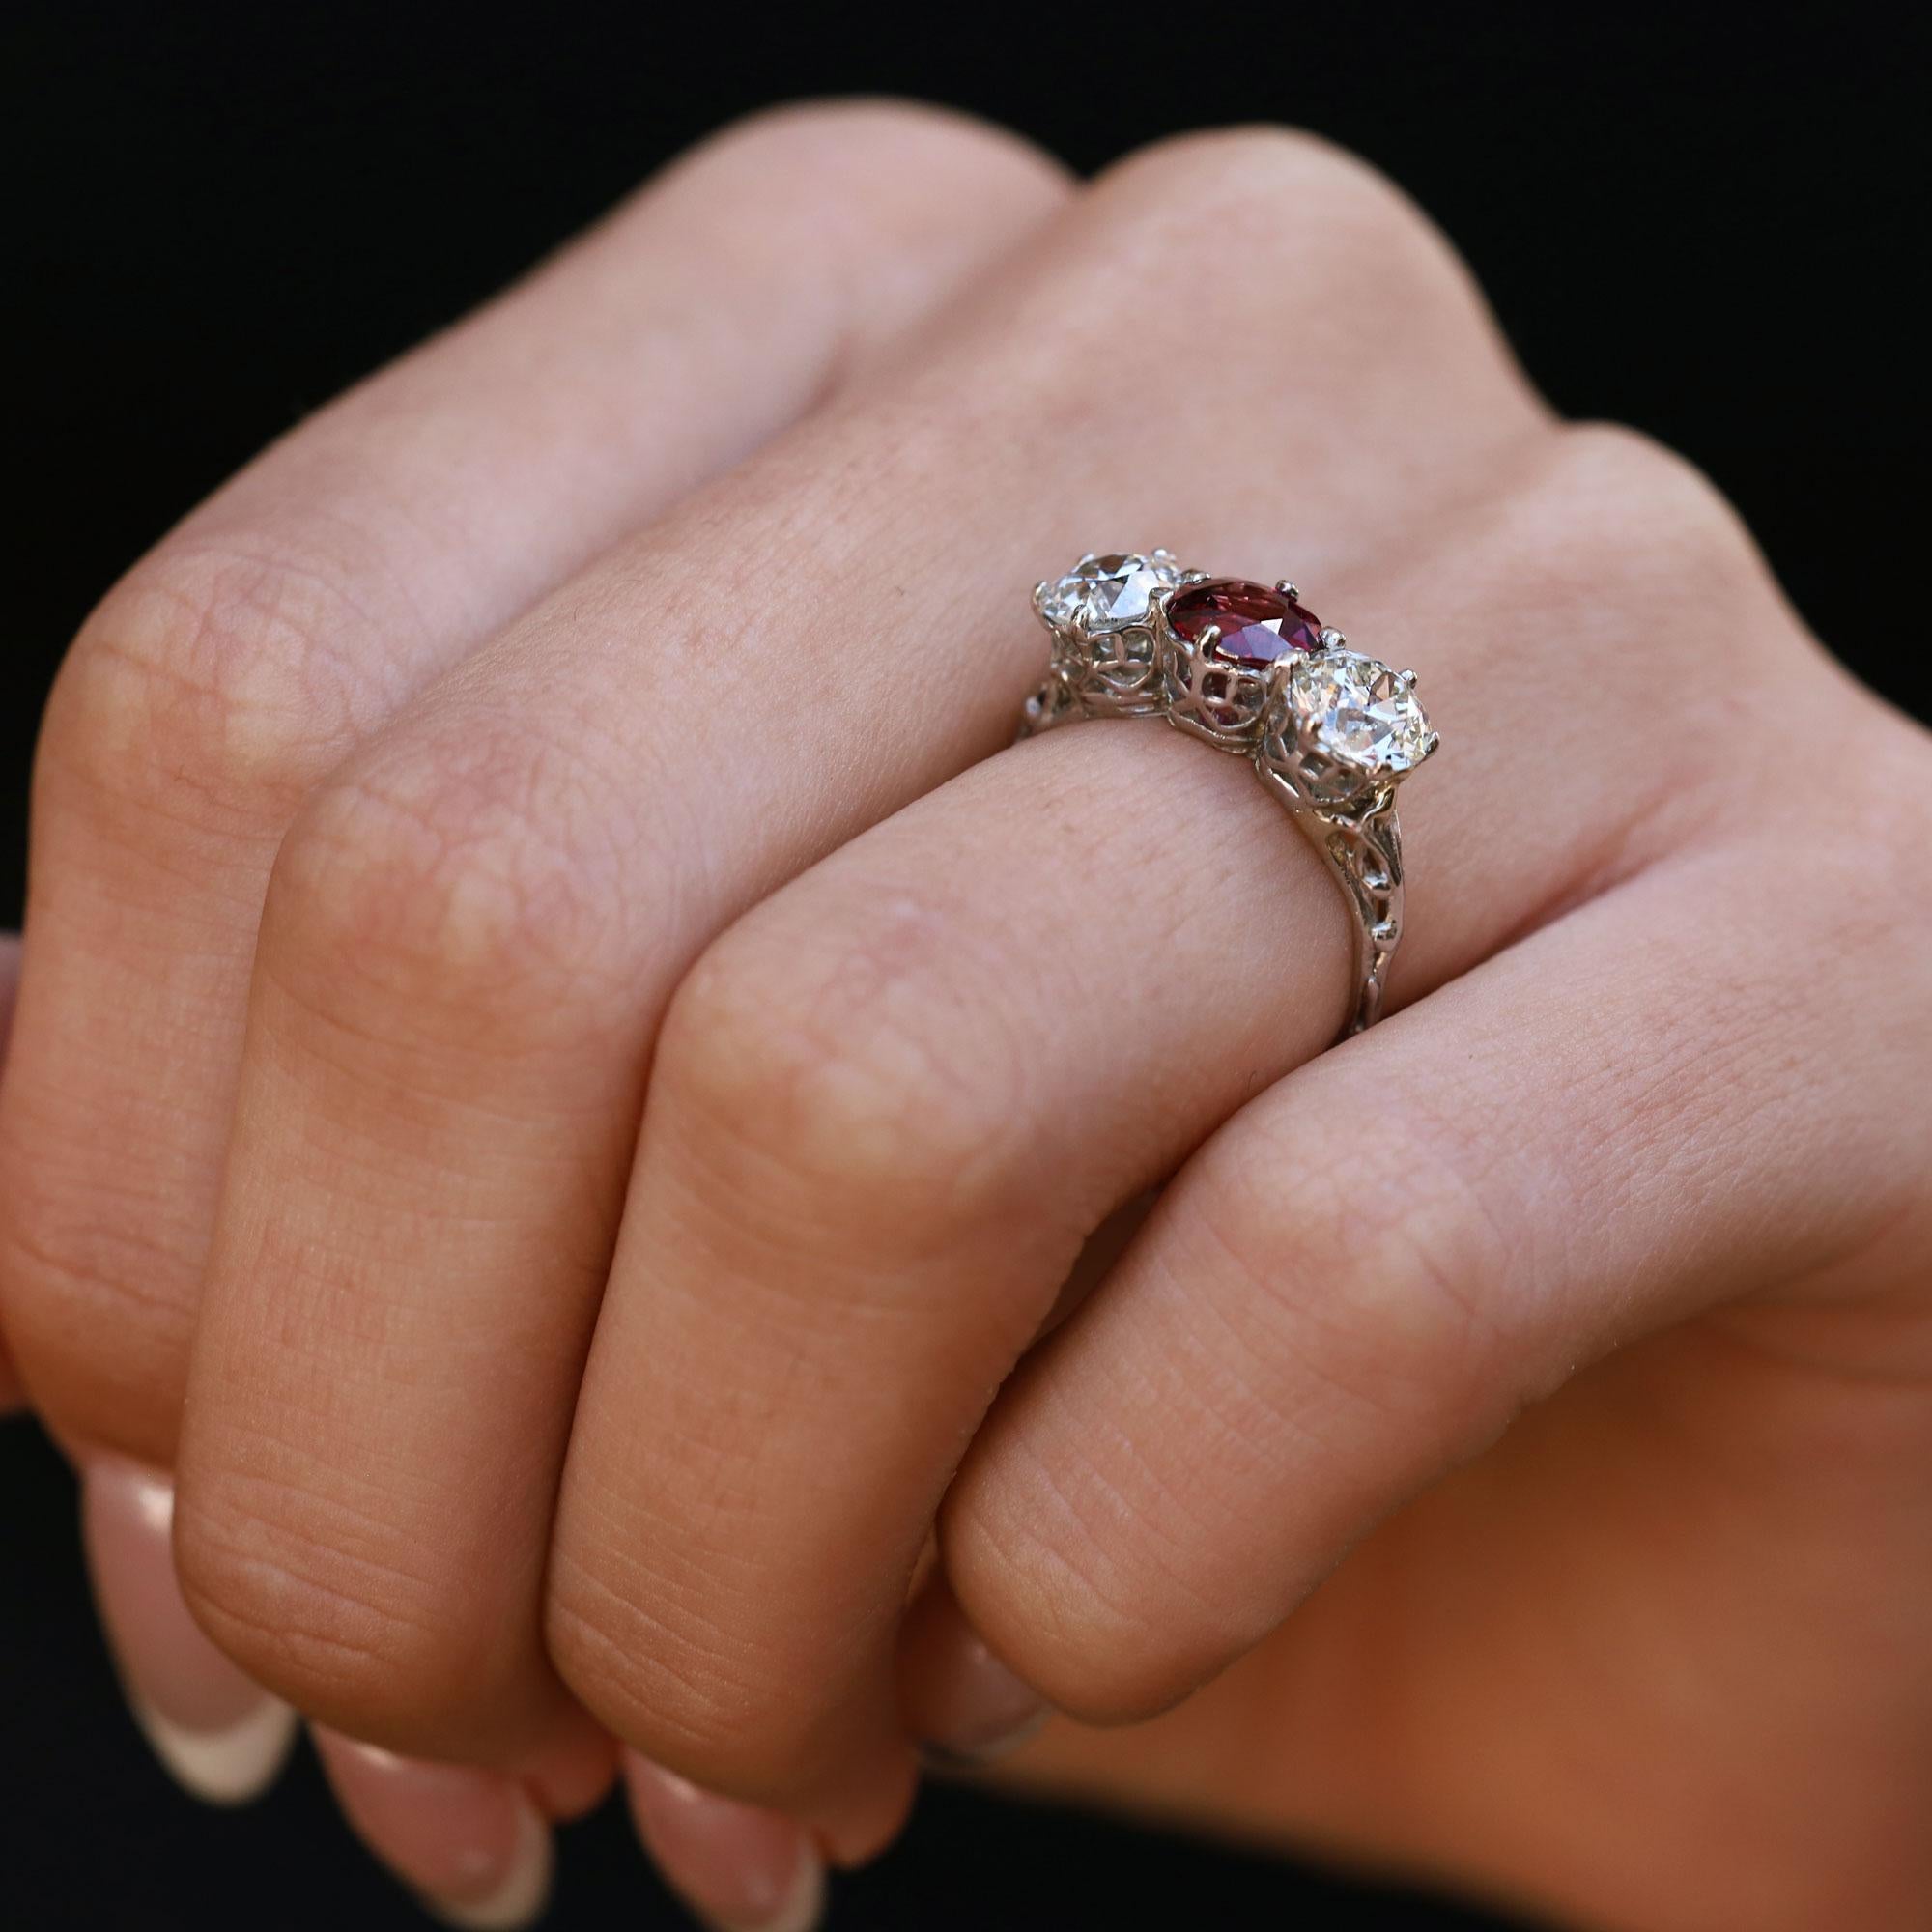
(221,1737)
(468,1843)
(739,1868)
(975,1709)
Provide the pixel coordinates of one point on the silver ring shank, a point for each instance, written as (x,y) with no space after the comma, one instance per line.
(1364,853)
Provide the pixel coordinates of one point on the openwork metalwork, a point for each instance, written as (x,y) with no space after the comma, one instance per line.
(1105,660)
(1331,733)
(1205,693)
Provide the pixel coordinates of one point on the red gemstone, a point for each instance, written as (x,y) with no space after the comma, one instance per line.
(1257,624)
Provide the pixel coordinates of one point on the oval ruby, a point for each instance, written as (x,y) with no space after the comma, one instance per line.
(1257,624)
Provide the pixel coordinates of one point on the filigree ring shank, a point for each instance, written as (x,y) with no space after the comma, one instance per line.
(1244,666)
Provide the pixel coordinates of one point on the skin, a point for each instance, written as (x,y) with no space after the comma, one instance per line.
(577,1178)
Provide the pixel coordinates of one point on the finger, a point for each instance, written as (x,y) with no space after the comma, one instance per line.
(368,552)
(739,1868)
(968,1708)
(1360,1282)
(471,1844)
(459,1837)
(474,932)
(219,1736)
(890,1105)
(475,1844)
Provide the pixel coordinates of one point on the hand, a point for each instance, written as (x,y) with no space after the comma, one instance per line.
(755,284)
(498,1403)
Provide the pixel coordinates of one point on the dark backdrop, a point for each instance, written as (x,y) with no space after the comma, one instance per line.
(1707,221)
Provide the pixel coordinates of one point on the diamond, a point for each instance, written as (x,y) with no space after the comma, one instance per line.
(1108,593)
(1358,712)
(1257,625)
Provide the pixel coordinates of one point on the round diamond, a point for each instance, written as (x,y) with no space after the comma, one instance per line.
(1358,712)
(1108,593)
(1257,624)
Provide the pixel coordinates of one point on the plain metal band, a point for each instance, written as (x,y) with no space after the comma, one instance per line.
(1361,849)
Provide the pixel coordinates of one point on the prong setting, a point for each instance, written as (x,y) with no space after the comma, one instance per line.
(1100,615)
(1341,728)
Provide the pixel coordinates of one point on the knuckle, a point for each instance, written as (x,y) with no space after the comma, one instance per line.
(1294,196)
(1092,1611)
(211,678)
(881,143)
(660,1668)
(1259,159)
(1335,253)
(844,185)
(1618,544)
(841,1074)
(323,1602)
(475,872)
(1633,504)
(1350,1357)
(1341,1321)
(639,1678)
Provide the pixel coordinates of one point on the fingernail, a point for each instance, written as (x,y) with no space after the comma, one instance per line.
(220,1737)
(739,1868)
(468,1843)
(975,1709)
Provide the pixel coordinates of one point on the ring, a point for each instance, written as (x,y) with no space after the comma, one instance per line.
(1330,733)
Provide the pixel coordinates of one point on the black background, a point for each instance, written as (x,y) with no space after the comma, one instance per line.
(1707,221)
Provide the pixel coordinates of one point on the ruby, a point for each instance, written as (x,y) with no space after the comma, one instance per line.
(1257,624)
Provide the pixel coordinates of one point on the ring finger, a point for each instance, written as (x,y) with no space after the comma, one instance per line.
(891,1104)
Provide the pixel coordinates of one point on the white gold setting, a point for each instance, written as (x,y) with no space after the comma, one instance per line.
(1205,693)
(1337,726)
(1099,617)
(1330,731)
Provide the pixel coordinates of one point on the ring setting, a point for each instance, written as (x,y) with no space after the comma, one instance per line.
(1251,669)
(1099,617)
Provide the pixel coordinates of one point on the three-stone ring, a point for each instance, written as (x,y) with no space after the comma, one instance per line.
(1330,733)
